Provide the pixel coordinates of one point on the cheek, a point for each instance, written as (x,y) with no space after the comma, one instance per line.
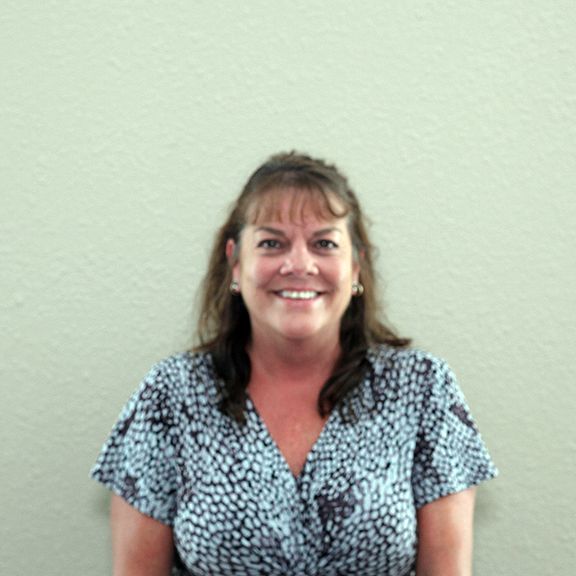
(343,272)
(260,272)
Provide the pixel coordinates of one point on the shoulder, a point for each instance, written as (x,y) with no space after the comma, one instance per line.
(181,375)
(185,365)
(407,372)
(405,362)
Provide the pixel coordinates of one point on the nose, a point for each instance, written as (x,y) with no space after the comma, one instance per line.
(299,262)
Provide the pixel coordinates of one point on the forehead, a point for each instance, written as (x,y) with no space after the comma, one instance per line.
(299,206)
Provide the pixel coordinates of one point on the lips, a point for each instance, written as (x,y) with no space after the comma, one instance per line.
(298,294)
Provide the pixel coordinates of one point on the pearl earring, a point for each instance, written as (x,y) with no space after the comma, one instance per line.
(357,289)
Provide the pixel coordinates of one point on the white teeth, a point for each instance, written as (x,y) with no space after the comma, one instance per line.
(298,295)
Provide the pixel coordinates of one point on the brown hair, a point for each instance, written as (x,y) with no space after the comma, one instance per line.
(224,323)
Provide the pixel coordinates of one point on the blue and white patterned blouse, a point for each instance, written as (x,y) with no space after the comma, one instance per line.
(234,504)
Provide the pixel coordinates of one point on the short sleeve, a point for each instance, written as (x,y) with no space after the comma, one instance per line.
(450,454)
(137,461)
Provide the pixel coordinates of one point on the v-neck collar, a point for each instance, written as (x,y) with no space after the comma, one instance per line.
(269,440)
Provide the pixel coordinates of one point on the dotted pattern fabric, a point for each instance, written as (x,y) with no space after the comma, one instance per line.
(233,502)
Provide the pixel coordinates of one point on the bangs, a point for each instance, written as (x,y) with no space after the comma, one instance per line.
(270,205)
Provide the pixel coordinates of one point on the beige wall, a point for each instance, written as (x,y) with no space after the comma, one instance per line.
(127,127)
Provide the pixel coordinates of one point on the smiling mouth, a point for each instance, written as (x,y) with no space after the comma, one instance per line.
(298,294)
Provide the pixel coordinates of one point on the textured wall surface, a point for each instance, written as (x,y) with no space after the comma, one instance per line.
(128,126)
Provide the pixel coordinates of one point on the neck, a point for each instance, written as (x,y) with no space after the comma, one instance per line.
(294,361)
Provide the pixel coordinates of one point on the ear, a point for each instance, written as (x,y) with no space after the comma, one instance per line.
(232,256)
(231,251)
(356,266)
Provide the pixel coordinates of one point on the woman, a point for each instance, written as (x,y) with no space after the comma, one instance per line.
(302,436)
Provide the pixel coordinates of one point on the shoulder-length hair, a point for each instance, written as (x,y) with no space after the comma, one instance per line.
(224,322)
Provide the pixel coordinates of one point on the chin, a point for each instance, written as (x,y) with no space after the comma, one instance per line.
(303,332)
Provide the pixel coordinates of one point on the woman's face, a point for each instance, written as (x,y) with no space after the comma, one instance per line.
(295,269)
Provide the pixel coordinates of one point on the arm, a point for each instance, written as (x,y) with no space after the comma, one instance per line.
(445,536)
(141,546)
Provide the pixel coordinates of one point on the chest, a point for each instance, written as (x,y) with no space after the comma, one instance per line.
(294,428)
(292,493)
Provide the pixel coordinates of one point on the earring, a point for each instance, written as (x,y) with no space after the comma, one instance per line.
(357,289)
(234,288)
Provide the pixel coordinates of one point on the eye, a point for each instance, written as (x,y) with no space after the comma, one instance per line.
(269,243)
(326,244)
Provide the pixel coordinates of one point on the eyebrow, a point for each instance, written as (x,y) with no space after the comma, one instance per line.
(278,232)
